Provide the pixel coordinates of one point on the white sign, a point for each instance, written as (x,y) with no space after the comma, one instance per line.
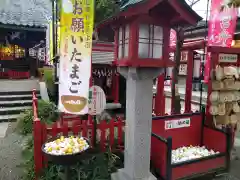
(41,54)
(174,124)
(74,78)
(184,56)
(97,100)
(183,69)
(228,58)
(167,83)
(32,52)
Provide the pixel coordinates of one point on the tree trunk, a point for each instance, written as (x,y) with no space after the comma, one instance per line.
(174,89)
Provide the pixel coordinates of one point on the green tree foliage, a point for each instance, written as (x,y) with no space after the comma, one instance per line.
(104,9)
(234,3)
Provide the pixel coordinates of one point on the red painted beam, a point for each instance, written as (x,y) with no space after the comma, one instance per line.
(188,90)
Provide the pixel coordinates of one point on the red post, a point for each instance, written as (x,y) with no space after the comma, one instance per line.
(37,140)
(34,92)
(34,103)
(90,121)
(35,108)
(212,65)
(115,83)
(159,106)
(120,131)
(188,90)
(116,94)
(153,103)
(103,126)
(163,104)
(172,101)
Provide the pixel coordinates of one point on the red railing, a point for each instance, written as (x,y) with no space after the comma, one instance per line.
(107,134)
(3,74)
(18,75)
(15,75)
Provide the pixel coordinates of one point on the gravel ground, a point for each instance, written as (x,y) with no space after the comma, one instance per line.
(10,155)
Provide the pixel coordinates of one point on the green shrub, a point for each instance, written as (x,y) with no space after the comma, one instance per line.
(47,113)
(49,80)
(98,166)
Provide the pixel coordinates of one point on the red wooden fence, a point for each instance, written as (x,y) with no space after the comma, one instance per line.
(108,134)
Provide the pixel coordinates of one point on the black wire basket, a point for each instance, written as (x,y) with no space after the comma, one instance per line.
(66,159)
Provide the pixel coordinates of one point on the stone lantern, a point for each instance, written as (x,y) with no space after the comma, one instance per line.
(142,32)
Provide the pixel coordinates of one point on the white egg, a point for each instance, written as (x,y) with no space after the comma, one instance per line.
(62,147)
(188,153)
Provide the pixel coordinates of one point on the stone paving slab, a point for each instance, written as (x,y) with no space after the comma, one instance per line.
(3,129)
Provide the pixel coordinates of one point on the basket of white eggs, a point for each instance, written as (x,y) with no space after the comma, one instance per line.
(191,153)
(66,150)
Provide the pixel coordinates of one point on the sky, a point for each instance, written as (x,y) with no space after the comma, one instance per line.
(201,8)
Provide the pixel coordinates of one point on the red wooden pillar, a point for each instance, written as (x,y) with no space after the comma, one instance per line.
(116,95)
(90,120)
(34,93)
(160,98)
(214,62)
(172,102)
(188,90)
(37,140)
(115,81)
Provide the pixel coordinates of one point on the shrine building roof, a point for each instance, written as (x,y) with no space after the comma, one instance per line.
(183,14)
(25,12)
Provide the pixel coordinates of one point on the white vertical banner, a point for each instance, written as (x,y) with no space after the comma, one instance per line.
(75,55)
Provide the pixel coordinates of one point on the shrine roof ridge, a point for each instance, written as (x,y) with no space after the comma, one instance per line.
(192,18)
(33,13)
(129,3)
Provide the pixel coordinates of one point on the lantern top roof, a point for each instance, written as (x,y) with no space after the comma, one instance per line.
(181,13)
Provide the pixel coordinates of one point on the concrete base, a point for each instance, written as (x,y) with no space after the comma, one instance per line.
(3,129)
(43,91)
(121,175)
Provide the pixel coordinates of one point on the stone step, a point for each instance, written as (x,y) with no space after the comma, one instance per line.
(13,110)
(17,92)
(9,118)
(16,97)
(15,103)
(19,85)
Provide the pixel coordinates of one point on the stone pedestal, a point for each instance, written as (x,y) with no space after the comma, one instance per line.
(122,175)
(138,123)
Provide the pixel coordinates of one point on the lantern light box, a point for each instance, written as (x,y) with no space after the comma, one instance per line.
(140,44)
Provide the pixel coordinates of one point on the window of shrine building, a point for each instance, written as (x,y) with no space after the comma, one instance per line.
(11,52)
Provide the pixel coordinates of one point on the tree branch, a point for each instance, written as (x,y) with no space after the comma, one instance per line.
(194,2)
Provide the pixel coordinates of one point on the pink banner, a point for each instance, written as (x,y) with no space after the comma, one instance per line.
(221,28)
(173,38)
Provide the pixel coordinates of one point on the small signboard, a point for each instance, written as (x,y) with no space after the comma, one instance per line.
(184,56)
(228,58)
(97,100)
(41,54)
(183,69)
(174,124)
